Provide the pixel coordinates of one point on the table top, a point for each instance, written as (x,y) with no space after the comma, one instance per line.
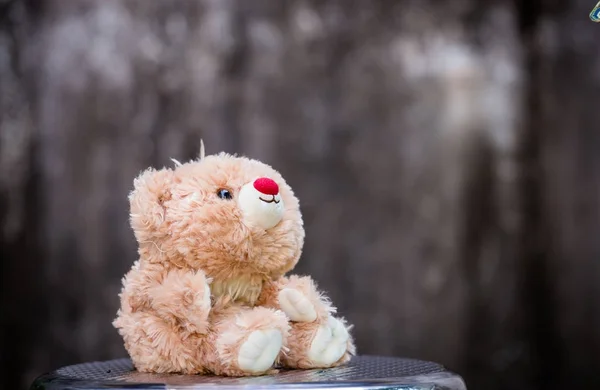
(372,372)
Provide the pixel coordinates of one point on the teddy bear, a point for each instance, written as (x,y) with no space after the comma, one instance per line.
(210,292)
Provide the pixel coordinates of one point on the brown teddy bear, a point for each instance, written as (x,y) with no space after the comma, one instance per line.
(208,294)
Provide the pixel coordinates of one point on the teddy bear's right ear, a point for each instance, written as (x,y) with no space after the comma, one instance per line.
(151,189)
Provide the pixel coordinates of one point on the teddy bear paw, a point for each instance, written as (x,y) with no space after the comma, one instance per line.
(258,353)
(329,344)
(296,305)
(205,303)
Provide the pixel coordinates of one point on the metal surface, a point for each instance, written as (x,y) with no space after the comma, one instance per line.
(371,372)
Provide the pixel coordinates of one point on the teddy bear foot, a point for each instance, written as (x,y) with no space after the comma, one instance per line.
(258,353)
(329,344)
(250,341)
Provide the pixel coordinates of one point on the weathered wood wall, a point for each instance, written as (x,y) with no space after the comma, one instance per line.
(445,155)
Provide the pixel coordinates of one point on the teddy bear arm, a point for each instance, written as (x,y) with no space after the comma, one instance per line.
(183,297)
(298,297)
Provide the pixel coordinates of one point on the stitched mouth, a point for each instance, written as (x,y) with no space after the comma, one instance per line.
(269,201)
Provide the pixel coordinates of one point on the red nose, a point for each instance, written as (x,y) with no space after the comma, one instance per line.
(266,186)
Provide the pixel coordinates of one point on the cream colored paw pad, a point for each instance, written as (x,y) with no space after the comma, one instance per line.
(296,305)
(206,297)
(330,343)
(258,353)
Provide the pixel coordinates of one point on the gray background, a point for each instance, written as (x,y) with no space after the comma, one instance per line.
(446,155)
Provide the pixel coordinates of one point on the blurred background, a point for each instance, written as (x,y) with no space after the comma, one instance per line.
(446,155)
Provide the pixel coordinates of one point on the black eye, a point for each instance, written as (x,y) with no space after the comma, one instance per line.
(224,194)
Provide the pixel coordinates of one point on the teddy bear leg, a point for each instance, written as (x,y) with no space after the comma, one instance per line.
(248,341)
(156,346)
(319,344)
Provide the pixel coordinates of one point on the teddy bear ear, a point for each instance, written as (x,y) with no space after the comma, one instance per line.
(151,189)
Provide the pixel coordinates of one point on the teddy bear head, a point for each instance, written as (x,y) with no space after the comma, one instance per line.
(224,214)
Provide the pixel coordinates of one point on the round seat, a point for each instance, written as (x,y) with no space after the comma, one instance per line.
(373,372)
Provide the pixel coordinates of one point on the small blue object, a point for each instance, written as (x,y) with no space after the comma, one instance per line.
(595,14)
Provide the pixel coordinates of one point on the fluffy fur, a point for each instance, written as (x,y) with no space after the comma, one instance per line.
(209,292)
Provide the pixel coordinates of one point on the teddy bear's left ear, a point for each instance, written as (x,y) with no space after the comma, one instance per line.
(152,189)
